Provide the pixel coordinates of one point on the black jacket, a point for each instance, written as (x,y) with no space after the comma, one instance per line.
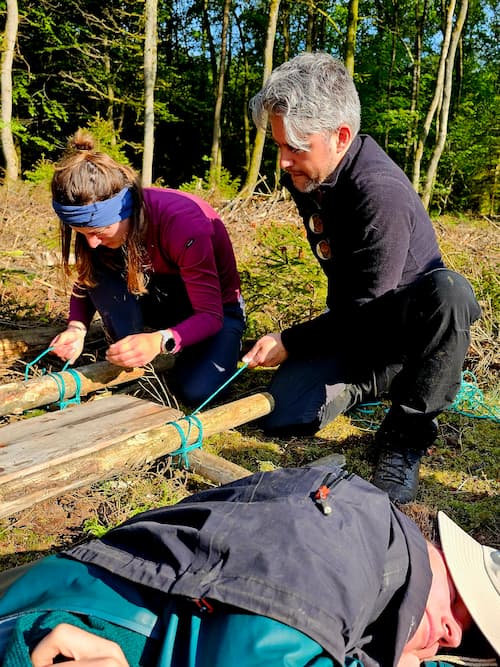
(356,579)
(370,234)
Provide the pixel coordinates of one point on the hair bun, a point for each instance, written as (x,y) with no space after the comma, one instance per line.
(82,140)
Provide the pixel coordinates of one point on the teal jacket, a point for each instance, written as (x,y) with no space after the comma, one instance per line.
(58,589)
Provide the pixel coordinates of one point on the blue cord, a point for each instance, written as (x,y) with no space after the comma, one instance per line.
(192,419)
(469,402)
(184,435)
(220,388)
(32,363)
(59,380)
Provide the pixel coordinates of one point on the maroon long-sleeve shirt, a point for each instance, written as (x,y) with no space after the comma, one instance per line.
(185,237)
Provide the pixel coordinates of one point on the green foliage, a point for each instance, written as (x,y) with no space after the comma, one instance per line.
(286,285)
(42,172)
(108,139)
(227,187)
(72,66)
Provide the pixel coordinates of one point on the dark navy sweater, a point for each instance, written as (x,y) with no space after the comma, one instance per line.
(370,233)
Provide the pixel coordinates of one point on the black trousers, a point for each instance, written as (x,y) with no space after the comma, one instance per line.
(409,345)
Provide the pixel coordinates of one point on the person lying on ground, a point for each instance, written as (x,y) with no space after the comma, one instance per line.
(306,567)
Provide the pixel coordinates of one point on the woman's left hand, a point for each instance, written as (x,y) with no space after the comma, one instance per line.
(135,350)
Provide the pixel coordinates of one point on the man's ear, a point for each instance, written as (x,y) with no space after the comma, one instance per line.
(344,138)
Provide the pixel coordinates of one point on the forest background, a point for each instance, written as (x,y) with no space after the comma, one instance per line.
(171,81)
(165,86)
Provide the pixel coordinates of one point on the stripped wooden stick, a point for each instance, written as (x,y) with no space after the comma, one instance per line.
(16,397)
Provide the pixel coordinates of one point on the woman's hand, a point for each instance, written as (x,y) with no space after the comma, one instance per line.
(135,350)
(79,646)
(267,351)
(68,345)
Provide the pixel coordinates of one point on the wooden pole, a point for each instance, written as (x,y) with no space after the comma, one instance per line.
(49,455)
(16,397)
(215,468)
(17,343)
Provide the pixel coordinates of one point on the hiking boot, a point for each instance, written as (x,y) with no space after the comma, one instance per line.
(397,473)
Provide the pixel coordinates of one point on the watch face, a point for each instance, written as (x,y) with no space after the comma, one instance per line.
(168,341)
(169,344)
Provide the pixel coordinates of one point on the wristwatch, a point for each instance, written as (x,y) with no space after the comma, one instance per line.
(167,341)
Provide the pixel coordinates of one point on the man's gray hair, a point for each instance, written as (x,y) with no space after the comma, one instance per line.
(313,93)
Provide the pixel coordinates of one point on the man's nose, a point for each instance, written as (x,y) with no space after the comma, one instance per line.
(286,159)
(451,632)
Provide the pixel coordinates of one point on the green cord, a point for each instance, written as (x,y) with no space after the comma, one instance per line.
(192,419)
(59,380)
(469,402)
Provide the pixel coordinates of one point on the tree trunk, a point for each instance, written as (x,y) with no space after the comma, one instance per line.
(260,136)
(350,42)
(246,72)
(216,159)
(445,105)
(150,63)
(311,17)
(437,98)
(420,19)
(9,42)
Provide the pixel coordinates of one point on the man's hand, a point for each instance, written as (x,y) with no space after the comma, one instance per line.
(267,351)
(82,648)
(135,350)
(68,345)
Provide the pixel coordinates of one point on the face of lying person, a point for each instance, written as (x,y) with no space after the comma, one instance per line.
(445,617)
(112,236)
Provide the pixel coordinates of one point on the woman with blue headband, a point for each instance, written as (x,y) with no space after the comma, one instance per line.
(156,264)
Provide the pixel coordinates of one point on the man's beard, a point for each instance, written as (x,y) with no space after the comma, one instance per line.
(310,185)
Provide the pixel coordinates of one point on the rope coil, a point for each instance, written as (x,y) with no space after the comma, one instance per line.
(192,419)
(469,402)
(59,380)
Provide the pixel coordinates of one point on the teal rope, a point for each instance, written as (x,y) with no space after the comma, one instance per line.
(61,385)
(184,449)
(193,419)
(363,415)
(470,401)
(59,380)
(220,388)
(32,363)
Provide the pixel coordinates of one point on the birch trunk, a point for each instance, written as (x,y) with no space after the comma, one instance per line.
(150,65)
(445,105)
(260,136)
(9,42)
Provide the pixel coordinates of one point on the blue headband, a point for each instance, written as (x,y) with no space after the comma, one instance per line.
(99,213)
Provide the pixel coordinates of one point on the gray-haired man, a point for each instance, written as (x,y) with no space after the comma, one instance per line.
(398,321)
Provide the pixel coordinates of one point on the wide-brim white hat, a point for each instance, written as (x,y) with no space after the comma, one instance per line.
(475,570)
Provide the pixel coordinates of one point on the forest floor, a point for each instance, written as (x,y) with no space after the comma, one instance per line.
(460,474)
